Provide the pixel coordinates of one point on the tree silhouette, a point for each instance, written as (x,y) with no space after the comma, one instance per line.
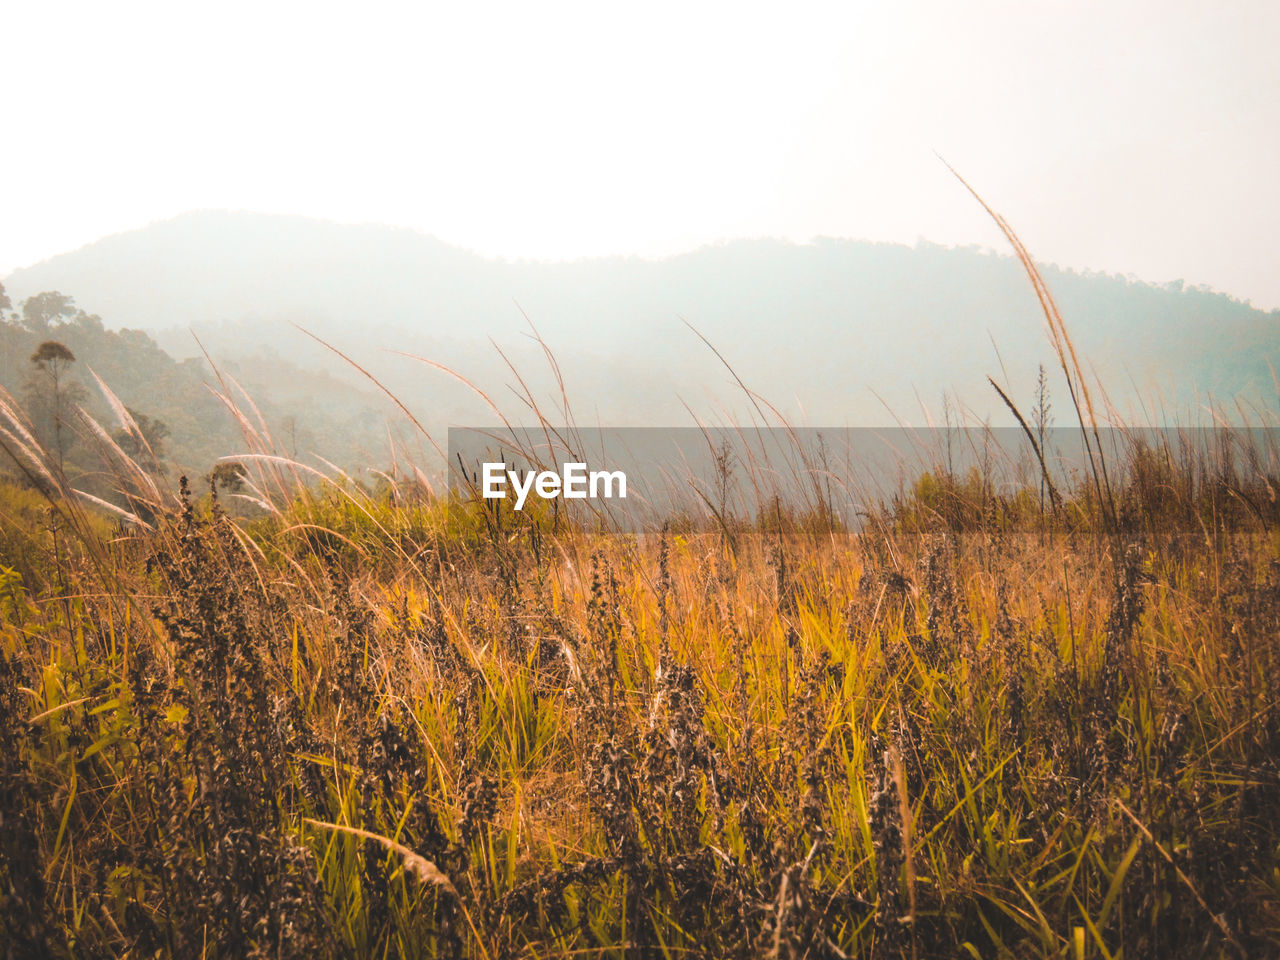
(228,475)
(50,394)
(148,450)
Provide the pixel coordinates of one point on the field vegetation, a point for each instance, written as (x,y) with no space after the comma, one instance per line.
(373,723)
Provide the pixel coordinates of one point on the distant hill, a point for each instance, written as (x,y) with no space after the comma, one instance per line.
(178,402)
(832,332)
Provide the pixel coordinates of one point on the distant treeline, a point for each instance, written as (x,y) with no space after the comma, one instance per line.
(51,350)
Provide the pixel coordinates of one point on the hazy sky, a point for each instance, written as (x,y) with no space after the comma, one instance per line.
(1137,138)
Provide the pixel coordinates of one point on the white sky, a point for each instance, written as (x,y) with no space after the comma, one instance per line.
(1131,137)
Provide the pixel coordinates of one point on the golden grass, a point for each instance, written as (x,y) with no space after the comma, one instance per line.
(393,724)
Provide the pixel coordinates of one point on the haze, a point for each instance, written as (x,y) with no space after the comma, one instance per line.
(1135,138)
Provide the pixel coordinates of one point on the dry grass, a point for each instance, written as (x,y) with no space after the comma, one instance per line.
(397,725)
(994,740)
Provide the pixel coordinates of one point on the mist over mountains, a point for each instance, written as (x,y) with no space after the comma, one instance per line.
(833,332)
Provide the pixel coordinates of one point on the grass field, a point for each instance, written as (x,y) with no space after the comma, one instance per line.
(371,728)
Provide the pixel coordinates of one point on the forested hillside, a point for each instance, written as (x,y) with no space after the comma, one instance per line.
(52,353)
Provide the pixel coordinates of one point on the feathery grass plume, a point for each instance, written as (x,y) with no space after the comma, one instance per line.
(1077,385)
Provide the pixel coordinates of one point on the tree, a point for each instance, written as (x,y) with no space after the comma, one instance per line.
(154,432)
(50,393)
(229,475)
(40,312)
(53,353)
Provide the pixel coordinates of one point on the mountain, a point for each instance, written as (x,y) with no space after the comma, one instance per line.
(51,366)
(831,332)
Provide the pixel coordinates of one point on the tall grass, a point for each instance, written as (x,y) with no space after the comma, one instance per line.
(393,723)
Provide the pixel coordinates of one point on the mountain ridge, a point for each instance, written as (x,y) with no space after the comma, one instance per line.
(815,323)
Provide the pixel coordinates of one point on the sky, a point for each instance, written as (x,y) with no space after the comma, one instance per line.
(1139,138)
